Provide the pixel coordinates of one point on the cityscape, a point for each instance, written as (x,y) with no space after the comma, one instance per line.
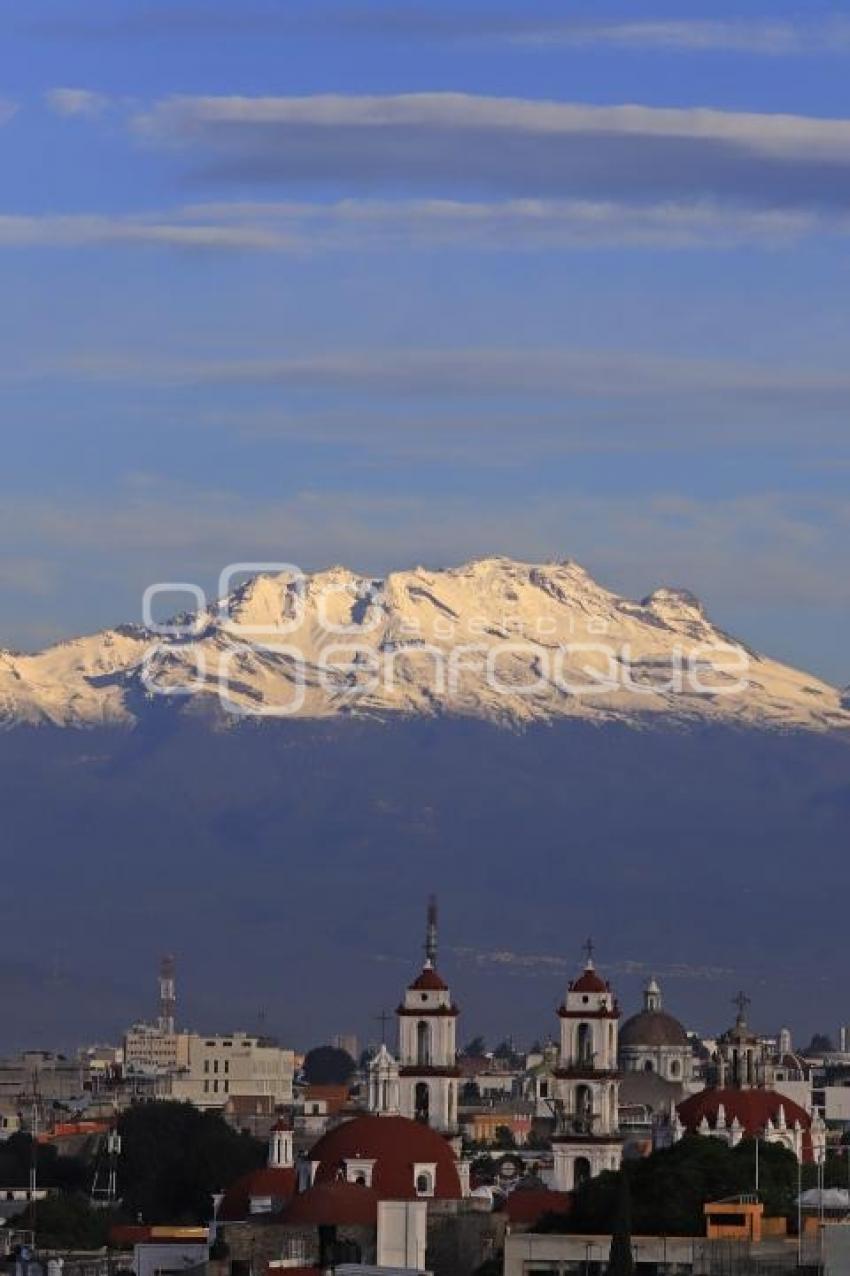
(417,1144)
(424,631)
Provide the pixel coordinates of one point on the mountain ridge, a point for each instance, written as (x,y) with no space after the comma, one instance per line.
(493,638)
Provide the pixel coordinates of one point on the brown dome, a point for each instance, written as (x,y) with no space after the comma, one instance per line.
(653,1028)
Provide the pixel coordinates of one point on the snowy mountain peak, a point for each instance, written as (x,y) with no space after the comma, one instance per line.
(493,638)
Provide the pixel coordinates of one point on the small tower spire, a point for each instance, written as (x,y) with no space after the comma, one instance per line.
(431,932)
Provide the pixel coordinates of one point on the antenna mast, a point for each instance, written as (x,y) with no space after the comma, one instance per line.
(431,932)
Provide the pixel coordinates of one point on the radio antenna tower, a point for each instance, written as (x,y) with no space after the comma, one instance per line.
(167,997)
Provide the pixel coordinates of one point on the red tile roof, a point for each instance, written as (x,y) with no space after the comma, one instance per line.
(589,981)
(277,1183)
(395,1144)
(753,1108)
(528,1205)
(428,981)
(340,1204)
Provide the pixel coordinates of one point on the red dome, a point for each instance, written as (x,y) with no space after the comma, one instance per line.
(276,1183)
(589,981)
(394,1143)
(428,981)
(339,1204)
(753,1108)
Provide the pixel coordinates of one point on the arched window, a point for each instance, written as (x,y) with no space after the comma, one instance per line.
(674,1067)
(423,1043)
(584,1044)
(581,1173)
(584,1109)
(422,1102)
(649,1066)
(423,1184)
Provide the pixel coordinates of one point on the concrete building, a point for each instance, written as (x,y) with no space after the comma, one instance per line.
(222,1066)
(150,1048)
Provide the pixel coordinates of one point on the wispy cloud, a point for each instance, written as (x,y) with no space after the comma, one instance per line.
(69,102)
(541,25)
(523,225)
(543,964)
(760,36)
(519,146)
(7,110)
(434,373)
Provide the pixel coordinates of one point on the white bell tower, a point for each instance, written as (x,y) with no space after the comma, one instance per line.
(280,1146)
(587,1138)
(427,1020)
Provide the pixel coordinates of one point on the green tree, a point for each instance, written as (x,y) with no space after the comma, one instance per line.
(66,1221)
(621,1260)
(66,1172)
(173,1158)
(669,1188)
(504,1138)
(475,1048)
(328,1065)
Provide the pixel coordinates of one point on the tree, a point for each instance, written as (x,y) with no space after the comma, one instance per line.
(66,1221)
(66,1172)
(621,1261)
(504,1138)
(328,1065)
(174,1157)
(819,1044)
(669,1188)
(475,1048)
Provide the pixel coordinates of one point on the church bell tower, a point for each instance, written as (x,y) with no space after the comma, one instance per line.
(587,1138)
(427,1021)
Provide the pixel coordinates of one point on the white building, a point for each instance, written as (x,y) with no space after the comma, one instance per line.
(151,1048)
(427,1024)
(233,1064)
(587,1138)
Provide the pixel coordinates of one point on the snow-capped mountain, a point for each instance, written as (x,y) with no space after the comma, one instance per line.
(493,639)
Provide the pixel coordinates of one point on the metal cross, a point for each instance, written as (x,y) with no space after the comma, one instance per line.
(383,1019)
(587,947)
(741,1001)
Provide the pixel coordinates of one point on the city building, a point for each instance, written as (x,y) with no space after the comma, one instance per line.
(238,1063)
(587,1138)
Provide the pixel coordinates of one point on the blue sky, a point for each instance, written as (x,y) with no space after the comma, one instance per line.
(383,284)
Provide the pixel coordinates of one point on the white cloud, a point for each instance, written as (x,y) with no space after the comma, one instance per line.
(7,110)
(451,143)
(86,102)
(763,37)
(780,135)
(376,225)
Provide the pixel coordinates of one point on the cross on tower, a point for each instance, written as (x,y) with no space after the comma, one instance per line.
(383,1019)
(741,1001)
(587,949)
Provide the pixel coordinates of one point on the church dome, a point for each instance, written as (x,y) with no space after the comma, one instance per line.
(752,1108)
(275,1184)
(652,1028)
(395,1144)
(428,981)
(589,981)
